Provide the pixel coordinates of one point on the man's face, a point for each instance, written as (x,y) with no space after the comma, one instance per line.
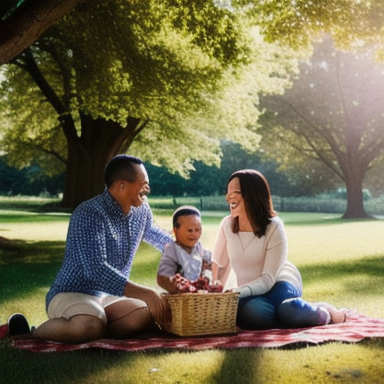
(137,191)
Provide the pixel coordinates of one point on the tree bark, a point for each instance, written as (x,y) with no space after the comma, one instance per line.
(89,152)
(355,202)
(88,155)
(27,23)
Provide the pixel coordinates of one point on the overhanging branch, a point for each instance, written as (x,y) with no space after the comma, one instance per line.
(28,22)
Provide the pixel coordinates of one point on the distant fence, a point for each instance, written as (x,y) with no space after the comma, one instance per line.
(374,206)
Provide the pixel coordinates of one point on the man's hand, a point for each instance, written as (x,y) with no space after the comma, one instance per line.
(158,307)
(157,304)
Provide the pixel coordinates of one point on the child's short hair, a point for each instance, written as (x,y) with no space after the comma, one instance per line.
(184,210)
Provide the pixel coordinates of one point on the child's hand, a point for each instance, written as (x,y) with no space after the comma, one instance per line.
(182,284)
(201,284)
(206,265)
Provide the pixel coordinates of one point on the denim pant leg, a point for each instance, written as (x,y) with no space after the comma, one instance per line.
(298,313)
(292,310)
(255,312)
(259,312)
(280,292)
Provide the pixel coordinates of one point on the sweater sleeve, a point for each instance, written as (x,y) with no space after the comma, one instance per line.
(221,264)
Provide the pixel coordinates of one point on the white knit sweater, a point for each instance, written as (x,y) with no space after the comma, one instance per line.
(250,265)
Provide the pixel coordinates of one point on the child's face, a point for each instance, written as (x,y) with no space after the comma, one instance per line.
(189,231)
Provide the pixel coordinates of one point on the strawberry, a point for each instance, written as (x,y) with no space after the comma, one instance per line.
(183,285)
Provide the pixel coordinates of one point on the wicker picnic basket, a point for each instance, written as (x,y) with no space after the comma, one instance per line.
(196,314)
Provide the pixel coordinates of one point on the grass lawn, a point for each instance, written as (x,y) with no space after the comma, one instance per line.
(341,262)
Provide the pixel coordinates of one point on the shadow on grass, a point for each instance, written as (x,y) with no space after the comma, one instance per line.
(22,367)
(33,205)
(365,275)
(374,343)
(28,266)
(84,366)
(232,372)
(302,219)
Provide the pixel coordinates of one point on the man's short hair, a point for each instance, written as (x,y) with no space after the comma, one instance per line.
(184,210)
(121,167)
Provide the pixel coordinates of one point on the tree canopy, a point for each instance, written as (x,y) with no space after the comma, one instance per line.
(349,22)
(174,78)
(352,24)
(166,79)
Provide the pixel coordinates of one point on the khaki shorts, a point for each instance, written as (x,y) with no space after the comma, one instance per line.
(71,304)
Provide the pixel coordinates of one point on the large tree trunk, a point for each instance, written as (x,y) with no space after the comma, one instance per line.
(355,202)
(88,155)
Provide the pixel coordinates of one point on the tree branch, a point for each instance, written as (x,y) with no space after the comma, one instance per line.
(26,24)
(30,65)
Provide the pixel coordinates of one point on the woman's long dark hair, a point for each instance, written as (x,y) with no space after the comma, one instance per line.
(257,198)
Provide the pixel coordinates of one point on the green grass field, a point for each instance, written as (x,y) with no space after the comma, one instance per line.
(341,262)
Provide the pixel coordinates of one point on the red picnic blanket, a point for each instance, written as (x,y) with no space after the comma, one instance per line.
(356,328)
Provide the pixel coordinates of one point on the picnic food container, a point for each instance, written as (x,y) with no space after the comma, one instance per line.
(197,314)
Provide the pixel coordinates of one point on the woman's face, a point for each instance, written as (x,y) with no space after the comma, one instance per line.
(235,198)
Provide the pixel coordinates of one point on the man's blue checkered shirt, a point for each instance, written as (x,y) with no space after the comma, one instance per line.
(101,244)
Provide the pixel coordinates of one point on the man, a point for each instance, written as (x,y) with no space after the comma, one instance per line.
(92,296)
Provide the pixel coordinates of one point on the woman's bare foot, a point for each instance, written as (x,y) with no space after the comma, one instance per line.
(337,315)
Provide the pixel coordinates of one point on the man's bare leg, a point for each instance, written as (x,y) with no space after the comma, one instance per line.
(126,318)
(77,329)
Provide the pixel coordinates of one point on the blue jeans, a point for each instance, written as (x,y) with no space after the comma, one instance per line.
(282,306)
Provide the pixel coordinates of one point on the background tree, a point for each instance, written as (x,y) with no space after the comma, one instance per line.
(374,180)
(207,180)
(29,181)
(297,23)
(333,113)
(109,71)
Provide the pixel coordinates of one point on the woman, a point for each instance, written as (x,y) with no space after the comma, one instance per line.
(250,257)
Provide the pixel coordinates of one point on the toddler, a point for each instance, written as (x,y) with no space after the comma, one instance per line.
(185,260)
